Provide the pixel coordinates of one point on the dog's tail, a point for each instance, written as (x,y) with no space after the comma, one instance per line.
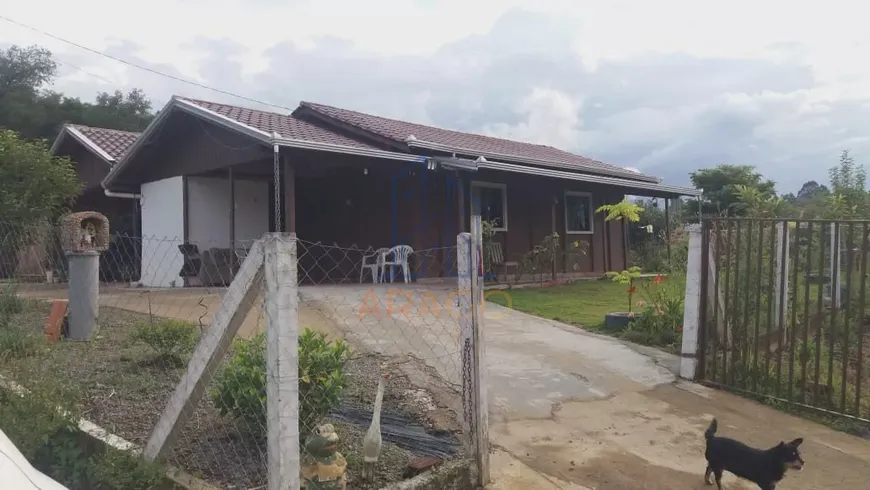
(711,431)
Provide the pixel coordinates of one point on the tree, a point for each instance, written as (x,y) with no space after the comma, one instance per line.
(810,201)
(28,108)
(130,112)
(720,185)
(33,185)
(756,204)
(848,188)
(810,189)
(25,69)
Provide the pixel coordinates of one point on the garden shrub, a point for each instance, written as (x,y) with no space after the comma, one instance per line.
(31,419)
(120,470)
(241,386)
(660,322)
(43,424)
(10,303)
(16,343)
(171,340)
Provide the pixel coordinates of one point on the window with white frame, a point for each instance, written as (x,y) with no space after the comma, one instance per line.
(578,212)
(490,202)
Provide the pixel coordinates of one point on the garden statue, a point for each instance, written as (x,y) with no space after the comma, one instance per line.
(323,467)
(372,441)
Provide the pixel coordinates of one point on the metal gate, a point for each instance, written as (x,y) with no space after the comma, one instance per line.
(783,311)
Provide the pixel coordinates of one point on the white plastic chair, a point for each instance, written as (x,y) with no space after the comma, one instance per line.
(398,257)
(375,268)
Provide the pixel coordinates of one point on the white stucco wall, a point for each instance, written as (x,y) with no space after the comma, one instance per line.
(162,231)
(208,201)
(209,211)
(252,210)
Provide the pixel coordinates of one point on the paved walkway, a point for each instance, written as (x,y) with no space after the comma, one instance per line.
(574,410)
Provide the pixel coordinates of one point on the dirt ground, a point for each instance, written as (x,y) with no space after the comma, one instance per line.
(571,409)
(196,305)
(125,387)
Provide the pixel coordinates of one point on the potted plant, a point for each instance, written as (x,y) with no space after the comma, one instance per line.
(620,319)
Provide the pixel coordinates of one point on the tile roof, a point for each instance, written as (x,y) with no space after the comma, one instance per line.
(285,125)
(293,126)
(399,130)
(112,141)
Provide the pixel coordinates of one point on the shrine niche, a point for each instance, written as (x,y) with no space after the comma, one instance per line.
(86,231)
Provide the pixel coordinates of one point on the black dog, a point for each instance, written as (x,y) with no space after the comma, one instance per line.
(765,468)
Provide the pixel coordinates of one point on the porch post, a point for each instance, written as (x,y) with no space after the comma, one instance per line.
(232,209)
(562,239)
(289,196)
(461,193)
(668,228)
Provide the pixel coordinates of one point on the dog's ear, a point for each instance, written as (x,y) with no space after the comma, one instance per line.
(797,442)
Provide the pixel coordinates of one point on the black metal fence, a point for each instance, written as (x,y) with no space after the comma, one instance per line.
(783,311)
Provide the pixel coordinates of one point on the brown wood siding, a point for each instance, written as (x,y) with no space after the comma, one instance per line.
(530,217)
(190,146)
(338,203)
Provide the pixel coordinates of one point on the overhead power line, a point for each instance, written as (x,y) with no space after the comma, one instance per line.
(145,68)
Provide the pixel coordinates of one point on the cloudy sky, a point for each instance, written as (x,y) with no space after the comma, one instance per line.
(666,87)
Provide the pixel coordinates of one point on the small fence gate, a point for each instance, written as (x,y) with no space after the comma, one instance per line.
(782,311)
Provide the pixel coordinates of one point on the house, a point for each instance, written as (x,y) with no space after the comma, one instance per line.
(207,173)
(93,152)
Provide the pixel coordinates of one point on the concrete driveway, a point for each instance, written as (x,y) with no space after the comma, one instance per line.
(570,409)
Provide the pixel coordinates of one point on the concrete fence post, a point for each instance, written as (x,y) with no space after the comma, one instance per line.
(282,374)
(692,305)
(472,342)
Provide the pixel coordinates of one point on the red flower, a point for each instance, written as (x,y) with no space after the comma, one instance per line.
(631,290)
(659,279)
(679,329)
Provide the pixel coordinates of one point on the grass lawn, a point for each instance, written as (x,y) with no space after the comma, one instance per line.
(583,303)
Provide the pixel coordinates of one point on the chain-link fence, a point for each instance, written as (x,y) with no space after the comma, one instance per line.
(396,309)
(174,363)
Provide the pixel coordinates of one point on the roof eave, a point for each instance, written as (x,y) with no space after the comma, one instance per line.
(597,179)
(61,137)
(178,103)
(347,150)
(83,140)
(529,161)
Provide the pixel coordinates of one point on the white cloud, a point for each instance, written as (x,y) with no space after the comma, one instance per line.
(550,117)
(664,87)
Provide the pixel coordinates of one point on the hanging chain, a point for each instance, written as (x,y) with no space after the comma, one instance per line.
(276,170)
